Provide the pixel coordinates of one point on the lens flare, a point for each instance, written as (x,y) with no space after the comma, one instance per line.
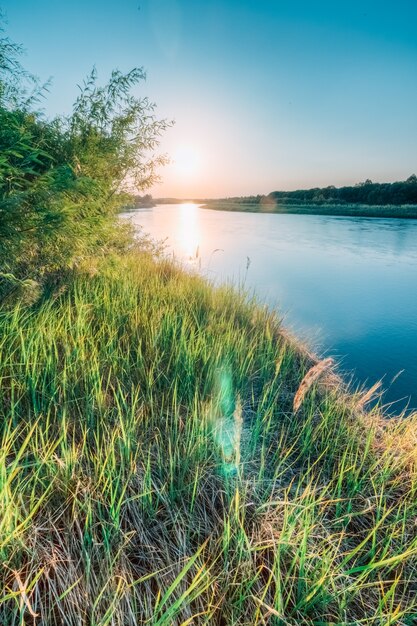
(227,423)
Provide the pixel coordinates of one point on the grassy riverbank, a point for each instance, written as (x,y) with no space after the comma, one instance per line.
(153,469)
(341,210)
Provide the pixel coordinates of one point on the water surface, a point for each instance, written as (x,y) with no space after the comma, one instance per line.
(347,285)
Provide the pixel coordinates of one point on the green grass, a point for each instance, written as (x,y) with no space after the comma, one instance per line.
(152,470)
(341,210)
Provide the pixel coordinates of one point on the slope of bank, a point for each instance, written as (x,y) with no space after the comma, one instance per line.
(161,464)
(340,210)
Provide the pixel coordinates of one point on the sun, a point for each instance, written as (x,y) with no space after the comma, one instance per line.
(187,162)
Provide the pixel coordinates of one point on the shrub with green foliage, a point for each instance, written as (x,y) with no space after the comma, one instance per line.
(62,181)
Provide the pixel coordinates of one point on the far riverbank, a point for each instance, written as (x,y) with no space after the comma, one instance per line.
(408,211)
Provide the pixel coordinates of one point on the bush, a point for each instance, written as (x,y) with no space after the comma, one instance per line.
(62,181)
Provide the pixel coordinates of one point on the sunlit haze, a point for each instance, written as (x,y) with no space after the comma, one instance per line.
(186,164)
(265,94)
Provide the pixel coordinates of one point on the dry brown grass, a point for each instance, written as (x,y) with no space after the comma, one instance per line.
(309,379)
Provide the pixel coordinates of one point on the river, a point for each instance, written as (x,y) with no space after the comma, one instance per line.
(347,286)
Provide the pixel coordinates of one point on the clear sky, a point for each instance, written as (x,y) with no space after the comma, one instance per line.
(266,94)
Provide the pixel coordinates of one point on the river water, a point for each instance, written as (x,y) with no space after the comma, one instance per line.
(345,285)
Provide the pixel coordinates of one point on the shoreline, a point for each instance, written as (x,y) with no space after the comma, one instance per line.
(371,211)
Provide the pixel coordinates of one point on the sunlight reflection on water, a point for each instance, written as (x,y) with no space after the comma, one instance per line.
(188,231)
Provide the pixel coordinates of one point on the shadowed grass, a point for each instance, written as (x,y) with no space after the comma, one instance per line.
(153,471)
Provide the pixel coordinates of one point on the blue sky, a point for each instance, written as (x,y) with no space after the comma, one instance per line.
(266,95)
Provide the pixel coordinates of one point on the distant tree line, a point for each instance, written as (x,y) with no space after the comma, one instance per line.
(401,192)
(368,193)
(140,202)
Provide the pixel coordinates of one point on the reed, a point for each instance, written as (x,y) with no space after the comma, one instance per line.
(368,395)
(309,379)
